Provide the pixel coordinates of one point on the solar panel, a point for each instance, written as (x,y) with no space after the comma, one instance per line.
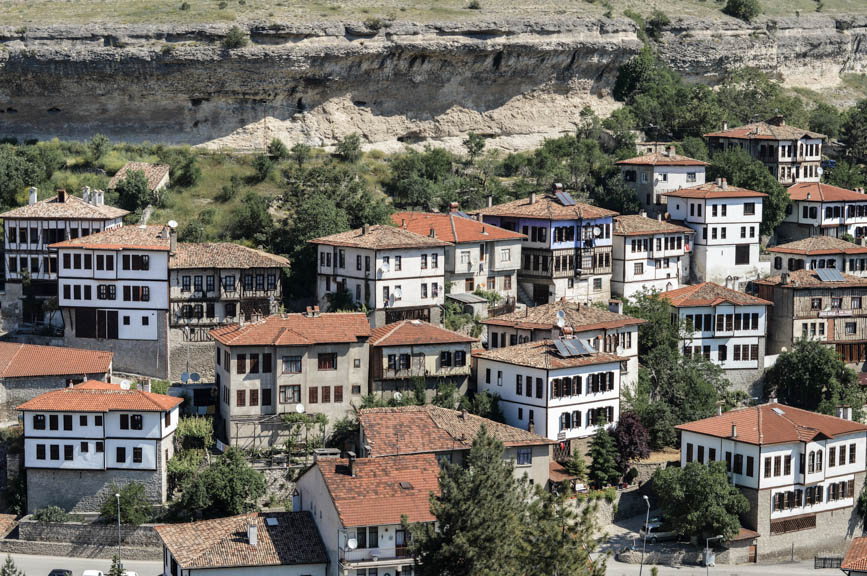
(565,199)
(580,347)
(561,349)
(829,275)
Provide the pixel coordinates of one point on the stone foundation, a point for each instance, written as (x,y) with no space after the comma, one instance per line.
(201,356)
(88,534)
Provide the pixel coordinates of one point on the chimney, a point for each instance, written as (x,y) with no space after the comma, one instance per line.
(659,216)
(61,195)
(670,151)
(173,239)
(463,414)
(558,187)
(725,184)
(453,206)
(351,457)
(85,193)
(734,431)
(772,399)
(146,385)
(531,428)
(844,412)
(100,197)
(309,312)
(403,223)
(615,306)
(784,278)
(365,229)
(642,213)
(253,534)
(433,232)
(725,125)
(532,197)
(484,231)
(719,182)
(34,191)
(490,200)
(316,312)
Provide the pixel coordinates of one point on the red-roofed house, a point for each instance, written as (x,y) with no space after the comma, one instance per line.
(358,506)
(270,367)
(819,209)
(855,562)
(409,350)
(652,174)
(80,440)
(801,472)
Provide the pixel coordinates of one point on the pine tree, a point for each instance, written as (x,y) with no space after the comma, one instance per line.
(603,452)
(481,517)
(116,567)
(9,568)
(562,537)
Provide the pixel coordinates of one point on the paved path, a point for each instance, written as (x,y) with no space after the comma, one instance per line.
(42,565)
(616,568)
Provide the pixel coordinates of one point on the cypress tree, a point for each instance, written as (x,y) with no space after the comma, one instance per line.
(603,452)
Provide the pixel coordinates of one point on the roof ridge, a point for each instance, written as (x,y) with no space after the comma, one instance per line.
(454,230)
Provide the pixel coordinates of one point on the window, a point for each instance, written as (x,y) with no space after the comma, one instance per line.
(290,394)
(120,454)
(52,422)
(815,303)
(597,284)
(40,451)
(767,468)
(851,327)
(100,447)
(852,453)
(836,303)
(39,422)
(254,363)
(97,420)
(137,455)
(136,421)
(167,419)
(519,385)
(739,463)
(254,397)
(397,263)
(525,456)
(313,395)
(742,254)
(445,358)
(749,209)
(787,465)
(67,421)
(55,452)
(328,361)
(538,388)
(750,464)
(242,364)
(82,420)
(638,268)
(338,393)
(240,398)
(326,394)
(856,303)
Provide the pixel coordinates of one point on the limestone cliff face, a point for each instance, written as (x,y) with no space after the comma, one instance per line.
(517,81)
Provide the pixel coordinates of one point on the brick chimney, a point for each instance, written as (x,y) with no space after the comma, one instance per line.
(453,206)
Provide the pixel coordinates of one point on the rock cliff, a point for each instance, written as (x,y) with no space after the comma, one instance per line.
(516,81)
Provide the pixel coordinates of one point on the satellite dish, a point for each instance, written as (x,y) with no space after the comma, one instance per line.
(299,408)
(352,543)
(597,231)
(125,384)
(185,377)
(173,224)
(820,170)
(391,298)
(386,267)
(398,396)
(195,377)
(398,293)
(561,318)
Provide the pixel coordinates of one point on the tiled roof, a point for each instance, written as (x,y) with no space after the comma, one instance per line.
(223,255)
(816,245)
(123,237)
(546,207)
(543,354)
(223,542)
(856,556)
(74,208)
(773,424)
(374,496)
(663,159)
(810,279)
(819,192)
(296,330)
(380,237)
(428,428)
(95,396)
(765,131)
(636,225)
(580,317)
(153,172)
(415,332)
(29,360)
(452,227)
(710,190)
(710,294)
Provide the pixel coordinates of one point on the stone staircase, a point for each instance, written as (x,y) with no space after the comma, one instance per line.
(525,298)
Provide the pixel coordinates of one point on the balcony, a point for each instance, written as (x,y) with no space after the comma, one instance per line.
(374,556)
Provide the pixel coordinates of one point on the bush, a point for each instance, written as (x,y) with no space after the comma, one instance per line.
(51,514)
(277,149)
(744,9)
(185,6)
(235,38)
(263,166)
(658,20)
(474,5)
(195,432)
(134,506)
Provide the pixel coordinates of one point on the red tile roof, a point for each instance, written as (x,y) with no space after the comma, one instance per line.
(818,245)
(153,172)
(710,294)
(415,332)
(296,330)
(543,354)
(421,429)
(95,396)
(123,237)
(29,360)
(820,192)
(74,208)
(380,237)
(223,542)
(771,130)
(374,496)
(856,556)
(453,227)
(663,159)
(810,279)
(637,225)
(223,255)
(581,318)
(546,207)
(773,424)
(712,190)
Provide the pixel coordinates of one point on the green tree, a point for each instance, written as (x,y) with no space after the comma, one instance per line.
(474,144)
(483,404)
(826,119)
(349,148)
(9,568)
(135,509)
(476,500)
(232,485)
(300,154)
(695,147)
(133,192)
(192,231)
(847,175)
(98,147)
(252,221)
(603,459)
(699,500)
(853,133)
(812,376)
(235,38)
(195,433)
(263,165)
(576,466)
(746,10)
(277,150)
(116,567)
(563,538)
(446,395)
(656,23)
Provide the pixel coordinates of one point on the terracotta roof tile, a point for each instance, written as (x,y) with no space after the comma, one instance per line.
(547,207)
(710,294)
(773,424)
(223,542)
(29,360)
(421,429)
(856,556)
(580,317)
(95,396)
(453,227)
(810,279)
(74,208)
(711,190)
(153,172)
(765,131)
(415,332)
(663,159)
(380,237)
(543,354)
(223,255)
(296,330)
(816,245)
(636,225)
(374,495)
(820,192)
(123,237)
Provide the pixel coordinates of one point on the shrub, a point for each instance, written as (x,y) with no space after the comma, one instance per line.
(277,149)
(746,10)
(235,38)
(134,506)
(51,514)
(658,20)
(195,432)
(263,166)
(185,6)
(223,5)
(474,5)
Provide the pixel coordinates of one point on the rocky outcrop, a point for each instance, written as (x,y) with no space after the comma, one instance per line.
(396,83)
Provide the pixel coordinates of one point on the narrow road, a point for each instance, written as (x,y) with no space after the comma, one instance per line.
(42,565)
(616,568)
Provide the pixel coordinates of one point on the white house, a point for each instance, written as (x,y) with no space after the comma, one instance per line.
(729,328)
(726,222)
(819,209)
(817,252)
(481,256)
(561,389)
(649,254)
(359,506)
(801,471)
(395,273)
(29,232)
(79,440)
(259,543)
(652,174)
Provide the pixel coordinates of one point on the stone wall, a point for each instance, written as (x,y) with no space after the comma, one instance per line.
(87,533)
(201,356)
(11,306)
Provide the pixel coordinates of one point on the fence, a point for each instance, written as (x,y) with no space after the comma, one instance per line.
(821,562)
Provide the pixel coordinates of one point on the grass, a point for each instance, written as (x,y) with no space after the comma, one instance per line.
(46,12)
